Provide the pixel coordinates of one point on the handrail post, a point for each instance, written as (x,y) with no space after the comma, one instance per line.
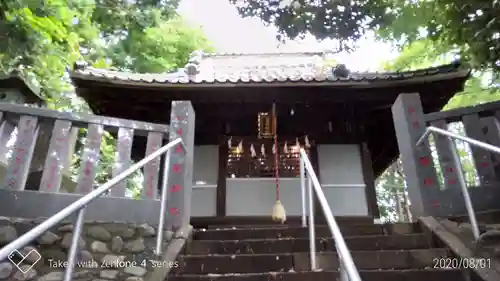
(303,191)
(463,187)
(345,256)
(312,234)
(163,203)
(343,273)
(73,249)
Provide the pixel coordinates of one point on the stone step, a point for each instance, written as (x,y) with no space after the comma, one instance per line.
(484,217)
(301,232)
(254,263)
(366,275)
(288,245)
(206,222)
(252,226)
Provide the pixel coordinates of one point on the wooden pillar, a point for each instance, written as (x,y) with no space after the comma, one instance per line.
(421,179)
(221,178)
(180,178)
(318,212)
(369,179)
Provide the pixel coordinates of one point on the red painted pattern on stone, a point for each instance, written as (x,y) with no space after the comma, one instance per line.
(88,168)
(176,168)
(424,160)
(149,192)
(180,118)
(174,211)
(452,181)
(179,131)
(428,181)
(52,173)
(435,204)
(152,171)
(179,149)
(415,124)
(450,170)
(175,188)
(484,164)
(411,110)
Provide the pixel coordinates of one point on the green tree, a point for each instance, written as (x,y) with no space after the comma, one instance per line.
(427,53)
(343,20)
(44,38)
(471,26)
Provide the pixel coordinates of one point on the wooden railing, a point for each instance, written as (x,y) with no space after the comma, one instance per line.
(45,141)
(431,173)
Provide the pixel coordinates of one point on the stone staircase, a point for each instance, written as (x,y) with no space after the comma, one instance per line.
(270,252)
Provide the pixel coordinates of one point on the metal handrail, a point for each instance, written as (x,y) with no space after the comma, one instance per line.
(81,204)
(348,270)
(458,165)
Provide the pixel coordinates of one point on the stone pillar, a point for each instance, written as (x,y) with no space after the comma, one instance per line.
(421,179)
(6,129)
(180,166)
(42,145)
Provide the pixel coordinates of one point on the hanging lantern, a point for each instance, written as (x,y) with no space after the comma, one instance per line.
(274,148)
(229,142)
(263,150)
(252,151)
(285,148)
(297,144)
(307,144)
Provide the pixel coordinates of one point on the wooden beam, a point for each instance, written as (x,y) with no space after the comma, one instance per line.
(318,211)
(221,178)
(369,179)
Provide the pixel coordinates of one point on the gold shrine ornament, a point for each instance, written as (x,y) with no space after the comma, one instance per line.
(265,125)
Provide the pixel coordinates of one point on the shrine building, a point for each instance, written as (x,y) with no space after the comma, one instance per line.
(342,118)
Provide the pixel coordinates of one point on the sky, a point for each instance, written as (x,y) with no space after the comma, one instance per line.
(229,33)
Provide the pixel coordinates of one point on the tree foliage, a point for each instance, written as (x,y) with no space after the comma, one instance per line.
(43,38)
(470,26)
(344,20)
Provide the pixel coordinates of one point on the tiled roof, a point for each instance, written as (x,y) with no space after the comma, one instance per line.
(252,69)
(16,79)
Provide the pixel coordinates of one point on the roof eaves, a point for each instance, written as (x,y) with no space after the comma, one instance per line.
(180,78)
(263,54)
(338,82)
(15,79)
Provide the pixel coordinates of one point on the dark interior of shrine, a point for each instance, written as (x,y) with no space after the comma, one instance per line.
(330,115)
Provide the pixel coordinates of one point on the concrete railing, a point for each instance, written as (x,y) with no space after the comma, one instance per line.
(431,174)
(44,143)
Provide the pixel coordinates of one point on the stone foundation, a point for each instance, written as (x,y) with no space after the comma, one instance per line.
(108,251)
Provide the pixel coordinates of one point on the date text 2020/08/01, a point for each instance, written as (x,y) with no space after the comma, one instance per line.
(461,263)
